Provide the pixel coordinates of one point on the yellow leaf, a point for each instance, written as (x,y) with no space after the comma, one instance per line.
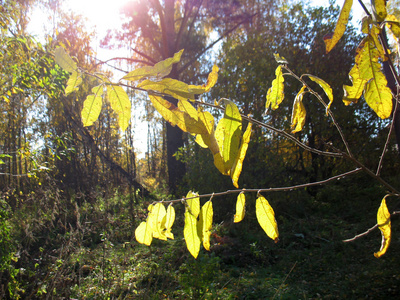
(280,59)
(188,108)
(193,203)
(266,218)
(298,112)
(227,135)
(326,87)
(73,83)
(379,9)
(394,26)
(169,221)
(92,106)
(238,165)
(159,214)
(212,78)
(378,96)
(167,110)
(120,104)
(354,92)
(63,59)
(143,234)
(159,70)
(275,93)
(190,234)
(205,223)
(340,26)
(169,86)
(240,208)
(384,223)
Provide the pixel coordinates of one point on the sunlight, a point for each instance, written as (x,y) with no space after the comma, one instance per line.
(101,14)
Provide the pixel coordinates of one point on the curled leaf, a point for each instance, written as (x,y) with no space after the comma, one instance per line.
(275,93)
(326,87)
(384,225)
(298,112)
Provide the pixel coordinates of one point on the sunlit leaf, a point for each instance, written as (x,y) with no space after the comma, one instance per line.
(120,104)
(266,218)
(169,221)
(353,93)
(394,25)
(298,112)
(205,223)
(188,108)
(193,203)
(143,234)
(326,87)
(190,234)
(92,106)
(63,59)
(159,70)
(384,223)
(240,208)
(379,8)
(378,96)
(238,165)
(275,93)
(227,134)
(341,24)
(169,86)
(207,140)
(280,59)
(212,78)
(73,83)
(159,213)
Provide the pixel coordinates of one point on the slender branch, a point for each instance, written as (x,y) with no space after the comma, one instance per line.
(267,190)
(361,234)
(364,8)
(149,58)
(280,132)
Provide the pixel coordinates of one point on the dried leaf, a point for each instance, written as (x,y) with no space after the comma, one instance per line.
(298,112)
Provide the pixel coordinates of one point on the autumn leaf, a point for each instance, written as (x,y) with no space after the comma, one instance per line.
(205,223)
(73,83)
(266,218)
(193,203)
(63,59)
(212,78)
(275,93)
(353,92)
(120,104)
(159,70)
(384,225)
(144,234)
(298,112)
(92,106)
(240,208)
(169,221)
(238,165)
(326,87)
(190,234)
(159,213)
(341,24)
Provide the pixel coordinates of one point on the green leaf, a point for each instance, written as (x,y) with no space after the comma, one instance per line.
(240,208)
(120,104)
(92,106)
(341,24)
(326,87)
(159,70)
(298,112)
(205,223)
(266,218)
(143,234)
(169,221)
(190,234)
(275,93)
(384,225)
(63,59)
(227,135)
(73,83)
(193,203)
(238,165)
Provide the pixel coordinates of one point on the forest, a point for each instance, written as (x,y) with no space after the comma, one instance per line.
(269,159)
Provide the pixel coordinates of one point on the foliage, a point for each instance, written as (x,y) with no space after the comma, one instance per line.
(227,142)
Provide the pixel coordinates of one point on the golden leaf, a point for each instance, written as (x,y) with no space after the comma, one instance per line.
(384,224)
(275,93)
(266,218)
(238,165)
(240,208)
(298,112)
(205,223)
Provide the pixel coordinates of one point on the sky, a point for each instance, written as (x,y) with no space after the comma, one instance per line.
(102,15)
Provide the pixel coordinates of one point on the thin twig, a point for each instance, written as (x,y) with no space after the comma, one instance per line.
(361,234)
(287,276)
